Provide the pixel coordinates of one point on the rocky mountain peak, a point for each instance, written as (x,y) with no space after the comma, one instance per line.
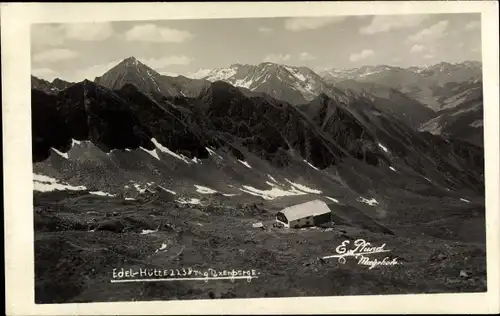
(130,61)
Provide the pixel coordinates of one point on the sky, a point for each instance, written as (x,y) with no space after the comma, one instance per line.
(75,52)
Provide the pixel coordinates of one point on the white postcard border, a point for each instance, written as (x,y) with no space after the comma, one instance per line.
(16,19)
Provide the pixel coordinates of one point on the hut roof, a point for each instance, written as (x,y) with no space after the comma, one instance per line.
(311,208)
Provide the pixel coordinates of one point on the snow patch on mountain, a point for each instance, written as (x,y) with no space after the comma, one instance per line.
(332,199)
(192,201)
(64,155)
(75,142)
(270,194)
(162,247)
(272,178)
(303,188)
(220,74)
(139,188)
(42,183)
(100,193)
(383,147)
(148,231)
(244,83)
(245,164)
(151,152)
(371,202)
(168,151)
(204,190)
(213,153)
(154,81)
(167,190)
(311,165)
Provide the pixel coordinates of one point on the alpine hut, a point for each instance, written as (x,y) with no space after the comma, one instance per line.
(306,214)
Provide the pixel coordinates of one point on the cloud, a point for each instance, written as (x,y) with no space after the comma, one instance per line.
(306,56)
(417,48)
(473,25)
(381,24)
(310,23)
(49,35)
(432,33)
(44,73)
(92,71)
(365,53)
(265,30)
(429,56)
(277,58)
(160,63)
(54,55)
(46,35)
(153,33)
(88,31)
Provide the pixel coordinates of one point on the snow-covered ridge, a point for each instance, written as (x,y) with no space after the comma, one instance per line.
(251,77)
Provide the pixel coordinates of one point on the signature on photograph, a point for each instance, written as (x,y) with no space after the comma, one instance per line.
(360,249)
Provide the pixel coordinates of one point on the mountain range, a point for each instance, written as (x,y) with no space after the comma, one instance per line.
(247,110)
(415,95)
(424,84)
(138,168)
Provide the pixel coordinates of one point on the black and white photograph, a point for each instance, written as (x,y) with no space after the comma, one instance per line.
(257,157)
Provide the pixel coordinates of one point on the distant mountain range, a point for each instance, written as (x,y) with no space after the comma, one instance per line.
(424,84)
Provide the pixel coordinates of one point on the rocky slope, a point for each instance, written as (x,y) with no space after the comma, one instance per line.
(461,115)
